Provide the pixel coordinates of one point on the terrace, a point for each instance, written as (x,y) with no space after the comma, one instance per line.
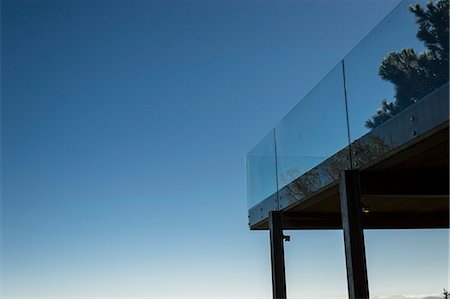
(366,148)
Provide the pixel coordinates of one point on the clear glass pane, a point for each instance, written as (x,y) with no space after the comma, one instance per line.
(394,67)
(261,171)
(313,131)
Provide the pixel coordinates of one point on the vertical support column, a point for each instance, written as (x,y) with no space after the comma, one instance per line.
(355,256)
(277,254)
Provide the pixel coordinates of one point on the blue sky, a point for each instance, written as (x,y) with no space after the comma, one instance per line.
(125,126)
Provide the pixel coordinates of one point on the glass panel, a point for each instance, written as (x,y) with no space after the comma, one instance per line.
(400,62)
(261,171)
(313,131)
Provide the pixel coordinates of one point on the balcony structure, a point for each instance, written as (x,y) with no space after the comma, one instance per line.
(366,148)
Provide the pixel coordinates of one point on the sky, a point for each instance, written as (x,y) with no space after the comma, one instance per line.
(124,130)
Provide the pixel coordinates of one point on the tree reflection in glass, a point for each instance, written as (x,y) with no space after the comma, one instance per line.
(415,75)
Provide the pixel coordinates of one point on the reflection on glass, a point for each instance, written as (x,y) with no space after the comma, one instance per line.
(261,171)
(318,177)
(311,132)
(402,60)
(414,75)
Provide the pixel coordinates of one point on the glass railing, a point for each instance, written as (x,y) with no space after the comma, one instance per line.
(314,130)
(403,60)
(261,170)
(391,69)
(366,87)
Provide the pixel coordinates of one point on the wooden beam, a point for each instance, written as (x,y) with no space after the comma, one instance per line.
(415,204)
(355,256)
(372,220)
(406,220)
(312,221)
(410,181)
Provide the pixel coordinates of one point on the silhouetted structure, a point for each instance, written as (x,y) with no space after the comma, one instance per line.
(393,176)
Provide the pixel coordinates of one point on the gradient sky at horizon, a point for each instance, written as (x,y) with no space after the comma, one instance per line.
(125,126)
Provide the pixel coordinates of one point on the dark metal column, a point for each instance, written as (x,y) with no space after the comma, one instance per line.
(351,211)
(277,254)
